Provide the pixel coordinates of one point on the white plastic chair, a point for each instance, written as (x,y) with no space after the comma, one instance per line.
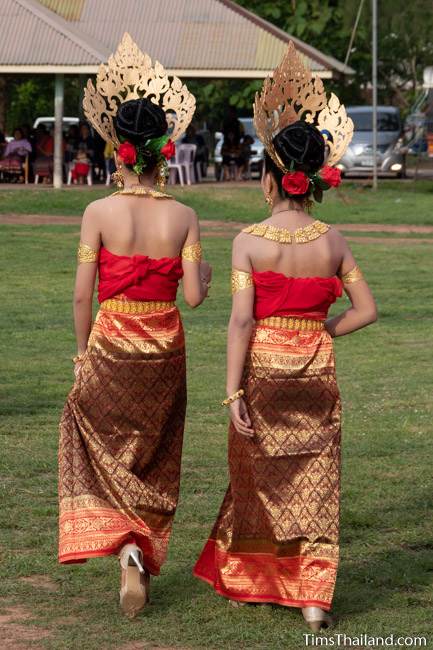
(89,174)
(186,159)
(174,166)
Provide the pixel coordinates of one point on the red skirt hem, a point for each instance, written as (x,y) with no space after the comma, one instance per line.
(82,556)
(284,602)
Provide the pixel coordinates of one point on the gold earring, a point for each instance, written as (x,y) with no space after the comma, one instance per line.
(269,200)
(117,177)
(161,176)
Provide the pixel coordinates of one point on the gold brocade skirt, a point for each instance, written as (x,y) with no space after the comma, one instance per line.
(276,535)
(121,435)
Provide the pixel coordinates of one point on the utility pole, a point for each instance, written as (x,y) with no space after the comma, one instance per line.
(374,90)
(58,131)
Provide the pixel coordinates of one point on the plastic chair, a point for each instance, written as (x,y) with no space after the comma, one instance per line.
(174,167)
(88,178)
(186,159)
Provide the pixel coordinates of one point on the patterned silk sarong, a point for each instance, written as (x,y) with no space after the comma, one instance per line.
(276,536)
(121,436)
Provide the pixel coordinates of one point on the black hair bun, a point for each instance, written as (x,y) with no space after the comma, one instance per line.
(302,144)
(137,120)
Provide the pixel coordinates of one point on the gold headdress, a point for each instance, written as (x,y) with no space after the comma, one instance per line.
(293,94)
(130,75)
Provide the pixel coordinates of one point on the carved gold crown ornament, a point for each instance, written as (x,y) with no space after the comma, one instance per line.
(293,94)
(129,75)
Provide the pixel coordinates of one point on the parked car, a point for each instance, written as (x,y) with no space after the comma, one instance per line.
(48,122)
(390,151)
(257,149)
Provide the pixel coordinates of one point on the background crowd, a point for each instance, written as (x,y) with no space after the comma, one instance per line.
(28,156)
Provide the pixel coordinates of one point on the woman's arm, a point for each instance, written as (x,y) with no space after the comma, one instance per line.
(90,242)
(239,332)
(197,273)
(363,310)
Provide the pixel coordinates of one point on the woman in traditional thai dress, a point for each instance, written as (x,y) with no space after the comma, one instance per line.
(276,536)
(122,426)
(15,153)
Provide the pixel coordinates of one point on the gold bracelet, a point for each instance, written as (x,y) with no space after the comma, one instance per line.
(78,358)
(233,398)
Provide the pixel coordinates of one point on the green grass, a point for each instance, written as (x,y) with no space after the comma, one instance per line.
(395,202)
(385,372)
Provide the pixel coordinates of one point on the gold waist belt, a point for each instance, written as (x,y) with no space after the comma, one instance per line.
(135,306)
(292,323)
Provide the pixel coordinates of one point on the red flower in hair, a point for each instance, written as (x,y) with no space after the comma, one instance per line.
(128,153)
(295,182)
(168,150)
(331,176)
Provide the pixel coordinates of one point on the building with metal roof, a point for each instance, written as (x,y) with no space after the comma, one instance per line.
(191,38)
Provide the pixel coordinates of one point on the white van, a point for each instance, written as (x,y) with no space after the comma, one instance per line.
(48,122)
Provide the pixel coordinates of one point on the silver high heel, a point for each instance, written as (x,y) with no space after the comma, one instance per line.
(135,581)
(317,618)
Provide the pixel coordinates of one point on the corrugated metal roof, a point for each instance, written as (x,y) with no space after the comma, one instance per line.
(192,36)
(30,34)
(187,34)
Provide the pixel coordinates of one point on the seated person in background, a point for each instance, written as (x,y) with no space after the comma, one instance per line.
(87,140)
(15,153)
(98,157)
(81,165)
(71,143)
(231,152)
(110,165)
(202,152)
(44,152)
(246,154)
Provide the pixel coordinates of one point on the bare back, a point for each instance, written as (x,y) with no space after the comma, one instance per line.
(142,225)
(321,257)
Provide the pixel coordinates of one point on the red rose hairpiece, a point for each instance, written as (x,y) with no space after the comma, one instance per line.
(168,150)
(128,153)
(331,176)
(295,182)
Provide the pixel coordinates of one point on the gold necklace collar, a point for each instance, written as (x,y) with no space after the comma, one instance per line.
(284,236)
(141,190)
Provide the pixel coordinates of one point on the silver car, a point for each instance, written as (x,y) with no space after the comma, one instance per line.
(358,158)
(257,149)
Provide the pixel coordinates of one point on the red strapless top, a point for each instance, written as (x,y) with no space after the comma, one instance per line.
(279,295)
(138,277)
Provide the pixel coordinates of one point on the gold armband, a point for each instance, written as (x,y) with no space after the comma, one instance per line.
(86,254)
(192,253)
(352,276)
(241,280)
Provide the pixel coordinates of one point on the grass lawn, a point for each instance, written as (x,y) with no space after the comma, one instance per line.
(395,202)
(385,578)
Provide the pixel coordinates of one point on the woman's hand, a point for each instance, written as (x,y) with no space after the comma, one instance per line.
(78,363)
(240,418)
(77,368)
(205,274)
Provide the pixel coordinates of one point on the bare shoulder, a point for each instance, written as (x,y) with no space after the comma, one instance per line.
(184,212)
(337,238)
(94,210)
(242,242)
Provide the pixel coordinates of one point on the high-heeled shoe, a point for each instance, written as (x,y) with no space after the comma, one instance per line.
(317,618)
(135,581)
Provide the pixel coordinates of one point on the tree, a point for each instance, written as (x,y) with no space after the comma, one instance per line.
(405,44)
